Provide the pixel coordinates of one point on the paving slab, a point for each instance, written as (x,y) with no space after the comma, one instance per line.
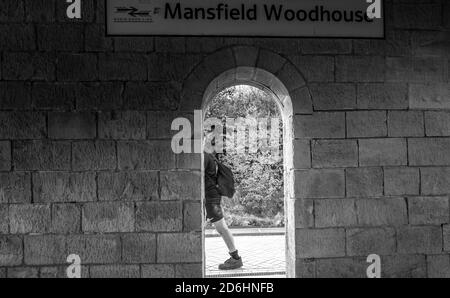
(263,256)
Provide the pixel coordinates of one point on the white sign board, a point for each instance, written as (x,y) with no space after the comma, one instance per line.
(263,18)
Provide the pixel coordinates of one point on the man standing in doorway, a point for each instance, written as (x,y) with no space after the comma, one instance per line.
(213,198)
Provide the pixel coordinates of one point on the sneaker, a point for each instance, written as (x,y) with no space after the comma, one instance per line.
(231,264)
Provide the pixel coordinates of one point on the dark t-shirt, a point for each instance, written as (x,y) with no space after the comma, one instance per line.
(212,194)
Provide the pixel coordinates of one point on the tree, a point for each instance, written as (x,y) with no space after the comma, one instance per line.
(259,199)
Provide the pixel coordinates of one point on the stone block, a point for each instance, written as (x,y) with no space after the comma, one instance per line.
(363,242)
(122,125)
(15,188)
(66,219)
(139,248)
(435,181)
(93,155)
(429,152)
(77,67)
(323,243)
(108,217)
(159,217)
(114,271)
(383,152)
(320,125)
(128,186)
(404,266)
(161,96)
(192,216)
(60,37)
(54,96)
(302,101)
(319,184)
(382,96)
(315,68)
(364,182)
(15,96)
(11,250)
(51,187)
(29,218)
(45,250)
(405,124)
(401,181)
(134,44)
(41,155)
(99,96)
(158,271)
(341,268)
(179,248)
(382,212)
(29,66)
(122,67)
(188,270)
(23,272)
(17,37)
(329,97)
(438,266)
(67,126)
(366,124)
(96,40)
(428,210)
(5,156)
(420,240)
(429,96)
(416,70)
(22,125)
(360,69)
(302,154)
(95,249)
(153,155)
(437,124)
(180,185)
(335,153)
(11,11)
(334,213)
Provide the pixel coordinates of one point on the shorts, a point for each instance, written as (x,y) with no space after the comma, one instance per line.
(214,212)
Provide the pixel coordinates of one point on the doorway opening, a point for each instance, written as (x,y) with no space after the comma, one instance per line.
(260,215)
(251,133)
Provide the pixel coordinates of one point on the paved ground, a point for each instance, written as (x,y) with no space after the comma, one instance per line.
(248,231)
(263,255)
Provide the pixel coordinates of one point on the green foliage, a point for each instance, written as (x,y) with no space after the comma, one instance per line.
(259,198)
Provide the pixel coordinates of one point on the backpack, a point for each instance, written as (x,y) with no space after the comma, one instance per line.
(225,180)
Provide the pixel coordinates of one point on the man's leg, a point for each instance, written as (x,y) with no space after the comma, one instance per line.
(222,229)
(215,214)
(235,261)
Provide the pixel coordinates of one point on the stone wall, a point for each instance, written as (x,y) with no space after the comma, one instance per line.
(86,165)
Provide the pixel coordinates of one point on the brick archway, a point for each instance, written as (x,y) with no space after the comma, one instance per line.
(278,76)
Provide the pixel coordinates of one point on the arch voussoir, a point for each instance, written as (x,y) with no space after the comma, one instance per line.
(270,61)
(302,101)
(290,77)
(220,61)
(246,65)
(245,55)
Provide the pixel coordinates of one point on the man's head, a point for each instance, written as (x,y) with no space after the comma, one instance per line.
(209,141)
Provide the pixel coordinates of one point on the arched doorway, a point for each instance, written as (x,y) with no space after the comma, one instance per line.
(244,65)
(269,83)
